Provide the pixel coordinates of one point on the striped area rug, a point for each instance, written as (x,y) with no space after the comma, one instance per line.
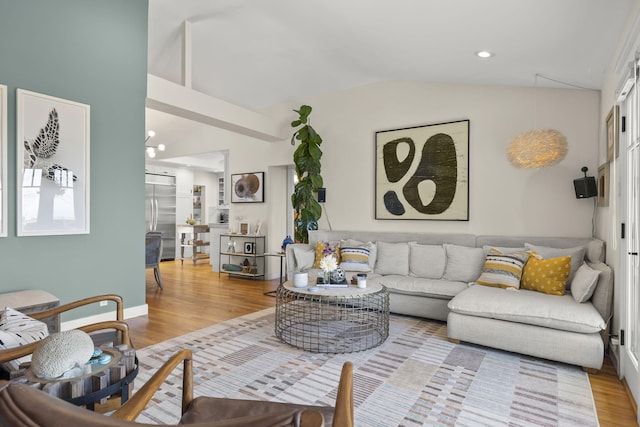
(415,378)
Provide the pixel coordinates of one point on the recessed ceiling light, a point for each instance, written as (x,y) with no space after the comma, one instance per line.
(485,54)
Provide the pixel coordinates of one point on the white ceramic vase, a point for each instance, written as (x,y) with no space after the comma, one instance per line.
(300,280)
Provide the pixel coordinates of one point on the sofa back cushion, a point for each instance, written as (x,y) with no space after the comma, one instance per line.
(464,264)
(427,261)
(393,258)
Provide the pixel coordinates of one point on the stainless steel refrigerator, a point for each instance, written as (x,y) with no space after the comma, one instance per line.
(160,202)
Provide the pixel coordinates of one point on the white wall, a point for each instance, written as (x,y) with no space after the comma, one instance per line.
(503,199)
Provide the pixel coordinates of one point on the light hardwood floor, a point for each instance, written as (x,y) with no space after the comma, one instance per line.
(194,297)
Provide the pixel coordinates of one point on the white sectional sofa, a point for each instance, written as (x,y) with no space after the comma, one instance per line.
(433,275)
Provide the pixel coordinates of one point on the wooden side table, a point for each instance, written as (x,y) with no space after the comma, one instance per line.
(93,383)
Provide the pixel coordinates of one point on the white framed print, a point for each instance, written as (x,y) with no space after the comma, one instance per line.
(52,140)
(3,161)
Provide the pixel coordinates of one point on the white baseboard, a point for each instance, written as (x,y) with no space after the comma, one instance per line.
(139,310)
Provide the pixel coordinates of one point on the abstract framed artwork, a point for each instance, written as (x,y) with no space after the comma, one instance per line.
(423,172)
(3,161)
(52,165)
(613,148)
(247,187)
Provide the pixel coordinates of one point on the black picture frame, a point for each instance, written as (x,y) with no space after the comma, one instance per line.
(422,172)
(247,187)
(249,247)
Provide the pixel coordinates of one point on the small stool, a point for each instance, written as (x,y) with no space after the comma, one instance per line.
(33,301)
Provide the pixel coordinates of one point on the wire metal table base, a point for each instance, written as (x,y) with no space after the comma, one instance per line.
(332,320)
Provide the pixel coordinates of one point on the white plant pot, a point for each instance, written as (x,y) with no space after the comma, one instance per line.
(300,280)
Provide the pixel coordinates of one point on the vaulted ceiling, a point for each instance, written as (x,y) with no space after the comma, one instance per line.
(256,54)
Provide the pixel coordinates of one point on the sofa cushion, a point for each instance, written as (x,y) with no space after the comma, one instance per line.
(576,254)
(427,261)
(584,283)
(503,270)
(503,249)
(17,329)
(355,258)
(464,264)
(393,258)
(530,307)
(434,288)
(546,275)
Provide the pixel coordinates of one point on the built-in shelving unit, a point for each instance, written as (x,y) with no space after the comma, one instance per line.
(221,191)
(235,249)
(198,193)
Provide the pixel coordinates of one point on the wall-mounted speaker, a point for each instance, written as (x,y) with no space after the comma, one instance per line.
(322,195)
(585,187)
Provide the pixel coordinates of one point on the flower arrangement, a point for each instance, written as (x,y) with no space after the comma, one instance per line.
(328,263)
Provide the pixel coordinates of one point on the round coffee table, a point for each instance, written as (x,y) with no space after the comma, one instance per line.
(332,320)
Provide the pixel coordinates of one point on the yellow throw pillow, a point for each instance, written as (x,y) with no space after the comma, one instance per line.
(326,248)
(546,275)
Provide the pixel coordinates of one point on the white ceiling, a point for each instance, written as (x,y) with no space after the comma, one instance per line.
(256,54)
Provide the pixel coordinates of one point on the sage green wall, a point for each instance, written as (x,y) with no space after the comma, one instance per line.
(93,52)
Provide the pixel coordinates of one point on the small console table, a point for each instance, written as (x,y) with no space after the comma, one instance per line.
(191,237)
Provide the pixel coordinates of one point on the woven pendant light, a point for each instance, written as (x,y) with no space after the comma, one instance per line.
(537,148)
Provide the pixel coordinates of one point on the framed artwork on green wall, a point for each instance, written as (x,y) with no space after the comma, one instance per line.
(3,161)
(52,165)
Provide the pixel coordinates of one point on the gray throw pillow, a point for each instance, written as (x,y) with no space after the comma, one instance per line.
(304,258)
(392,258)
(584,283)
(464,264)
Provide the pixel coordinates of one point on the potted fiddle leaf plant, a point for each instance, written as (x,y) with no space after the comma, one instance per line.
(306,159)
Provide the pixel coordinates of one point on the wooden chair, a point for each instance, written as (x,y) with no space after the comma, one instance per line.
(21,405)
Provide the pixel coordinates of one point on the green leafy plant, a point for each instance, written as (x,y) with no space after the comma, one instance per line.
(307,162)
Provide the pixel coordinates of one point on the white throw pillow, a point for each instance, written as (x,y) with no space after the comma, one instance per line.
(464,264)
(304,258)
(584,283)
(427,261)
(17,329)
(393,258)
(576,254)
(355,258)
(373,250)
